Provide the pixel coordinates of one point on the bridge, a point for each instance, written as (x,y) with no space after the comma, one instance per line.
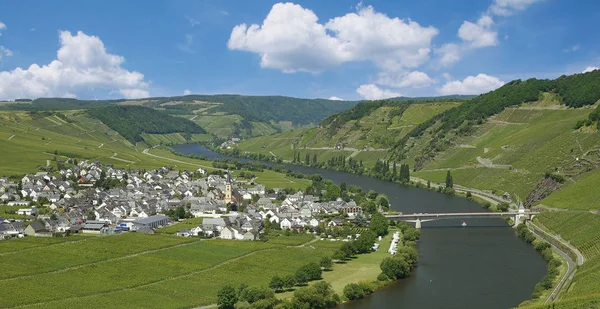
(418,218)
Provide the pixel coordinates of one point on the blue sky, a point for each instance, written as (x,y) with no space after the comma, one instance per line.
(313,49)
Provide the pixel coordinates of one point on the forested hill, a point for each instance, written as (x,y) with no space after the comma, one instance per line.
(573,91)
(132,121)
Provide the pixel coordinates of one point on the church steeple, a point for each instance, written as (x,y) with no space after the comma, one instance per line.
(228,188)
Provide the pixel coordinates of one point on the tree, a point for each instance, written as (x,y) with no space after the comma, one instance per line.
(301,277)
(312,270)
(289,281)
(372,195)
(379,224)
(339,255)
(227,297)
(348,248)
(332,192)
(449,181)
(395,267)
(353,291)
(326,263)
(428,184)
(364,243)
(383,201)
(317,296)
(253,294)
(277,283)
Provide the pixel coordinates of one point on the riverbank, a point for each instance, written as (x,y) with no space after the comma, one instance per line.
(453,259)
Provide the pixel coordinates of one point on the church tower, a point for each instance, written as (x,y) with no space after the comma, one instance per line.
(228,189)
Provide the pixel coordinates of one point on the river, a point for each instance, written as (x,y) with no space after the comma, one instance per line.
(483,265)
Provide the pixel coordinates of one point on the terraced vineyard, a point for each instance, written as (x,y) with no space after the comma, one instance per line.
(582,230)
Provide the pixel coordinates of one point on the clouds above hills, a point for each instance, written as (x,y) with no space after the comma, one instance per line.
(82,63)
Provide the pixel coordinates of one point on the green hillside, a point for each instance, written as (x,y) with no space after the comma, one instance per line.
(133,121)
(365,132)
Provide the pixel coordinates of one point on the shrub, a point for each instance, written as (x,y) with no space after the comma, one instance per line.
(353,291)
(382,277)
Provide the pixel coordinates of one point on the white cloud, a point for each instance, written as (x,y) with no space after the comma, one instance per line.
(291,39)
(509,7)
(573,48)
(472,85)
(447,76)
(193,22)
(82,63)
(187,92)
(2,27)
(334,98)
(372,92)
(187,46)
(449,54)
(415,79)
(590,69)
(480,34)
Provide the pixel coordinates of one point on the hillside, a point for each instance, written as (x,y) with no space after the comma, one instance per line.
(366,132)
(133,121)
(513,139)
(223,116)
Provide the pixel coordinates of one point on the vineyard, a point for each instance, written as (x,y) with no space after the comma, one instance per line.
(139,271)
(581,229)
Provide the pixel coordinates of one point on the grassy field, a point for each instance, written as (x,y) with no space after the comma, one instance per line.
(185,224)
(582,230)
(271,179)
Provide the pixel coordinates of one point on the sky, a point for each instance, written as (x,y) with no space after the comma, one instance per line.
(340,49)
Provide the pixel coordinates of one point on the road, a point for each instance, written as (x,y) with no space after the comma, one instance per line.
(571,266)
(580,257)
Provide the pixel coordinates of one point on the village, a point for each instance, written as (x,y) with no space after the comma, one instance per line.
(90,198)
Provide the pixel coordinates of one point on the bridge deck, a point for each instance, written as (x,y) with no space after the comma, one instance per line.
(459,214)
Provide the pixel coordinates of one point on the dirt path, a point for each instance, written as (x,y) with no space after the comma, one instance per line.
(101,145)
(114,157)
(195,116)
(489,164)
(11,137)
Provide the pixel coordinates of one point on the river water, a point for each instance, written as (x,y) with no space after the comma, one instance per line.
(483,265)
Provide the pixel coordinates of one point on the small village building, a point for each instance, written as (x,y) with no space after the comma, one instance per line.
(93,228)
(27,211)
(151,222)
(37,229)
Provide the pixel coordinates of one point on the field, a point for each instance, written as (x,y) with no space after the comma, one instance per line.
(174,138)
(139,271)
(27,143)
(513,150)
(271,179)
(185,224)
(581,230)
(583,194)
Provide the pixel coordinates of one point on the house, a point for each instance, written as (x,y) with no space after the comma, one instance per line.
(37,229)
(151,222)
(313,222)
(27,211)
(249,236)
(184,233)
(285,224)
(351,209)
(228,233)
(93,228)
(145,230)
(335,222)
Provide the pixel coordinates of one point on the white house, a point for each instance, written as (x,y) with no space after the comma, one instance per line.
(313,222)
(27,211)
(274,218)
(285,224)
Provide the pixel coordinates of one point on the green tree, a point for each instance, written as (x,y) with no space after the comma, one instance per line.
(317,296)
(339,255)
(289,281)
(395,267)
(301,277)
(449,181)
(313,271)
(364,243)
(326,263)
(253,294)
(383,201)
(372,195)
(332,192)
(379,224)
(226,297)
(353,291)
(276,283)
